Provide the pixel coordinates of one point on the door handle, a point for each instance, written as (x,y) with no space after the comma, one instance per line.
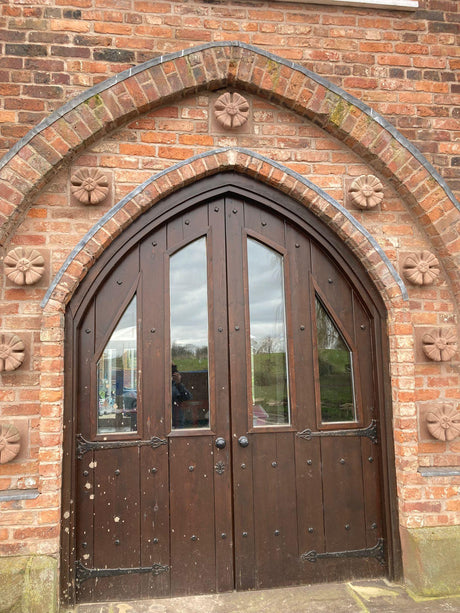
(220,442)
(243,441)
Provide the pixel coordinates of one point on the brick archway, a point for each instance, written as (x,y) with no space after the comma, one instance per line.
(43,151)
(243,161)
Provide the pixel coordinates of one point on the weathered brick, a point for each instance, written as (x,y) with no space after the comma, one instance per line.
(113,55)
(25,50)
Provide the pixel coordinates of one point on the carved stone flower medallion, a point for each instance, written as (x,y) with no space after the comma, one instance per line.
(24,266)
(366,191)
(440,345)
(12,352)
(421,269)
(231,110)
(444,422)
(89,185)
(9,443)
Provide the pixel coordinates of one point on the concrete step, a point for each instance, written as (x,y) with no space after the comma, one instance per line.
(366,596)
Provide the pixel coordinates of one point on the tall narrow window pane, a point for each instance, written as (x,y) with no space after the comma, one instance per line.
(189,337)
(117,377)
(270,393)
(335,370)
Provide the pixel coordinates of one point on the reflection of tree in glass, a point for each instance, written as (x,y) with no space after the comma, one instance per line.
(335,370)
(189,357)
(328,336)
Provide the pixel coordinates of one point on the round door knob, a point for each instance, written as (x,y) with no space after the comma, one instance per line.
(243,441)
(220,443)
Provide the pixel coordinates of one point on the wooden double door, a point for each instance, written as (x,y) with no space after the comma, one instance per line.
(226,385)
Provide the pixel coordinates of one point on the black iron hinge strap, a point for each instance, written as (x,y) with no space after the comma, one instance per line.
(377,552)
(82,573)
(83,445)
(370,432)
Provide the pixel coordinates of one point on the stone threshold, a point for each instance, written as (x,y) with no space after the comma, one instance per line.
(363,596)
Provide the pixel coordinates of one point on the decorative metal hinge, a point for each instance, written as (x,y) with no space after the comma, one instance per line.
(220,467)
(83,445)
(370,432)
(82,573)
(377,552)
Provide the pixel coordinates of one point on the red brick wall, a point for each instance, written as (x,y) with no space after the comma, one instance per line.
(403,64)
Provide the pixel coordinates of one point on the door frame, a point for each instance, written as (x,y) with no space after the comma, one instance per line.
(178,202)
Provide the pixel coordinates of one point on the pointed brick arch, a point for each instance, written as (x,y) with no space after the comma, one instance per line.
(243,161)
(56,140)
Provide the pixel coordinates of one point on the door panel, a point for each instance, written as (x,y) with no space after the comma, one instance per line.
(236,482)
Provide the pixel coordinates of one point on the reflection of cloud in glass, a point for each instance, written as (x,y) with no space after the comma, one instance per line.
(125,334)
(266,295)
(189,295)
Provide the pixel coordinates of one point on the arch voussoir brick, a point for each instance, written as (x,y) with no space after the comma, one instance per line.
(242,161)
(110,104)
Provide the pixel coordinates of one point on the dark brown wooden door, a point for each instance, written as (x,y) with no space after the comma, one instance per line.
(227,393)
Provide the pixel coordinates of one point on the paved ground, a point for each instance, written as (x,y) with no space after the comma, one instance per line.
(354,597)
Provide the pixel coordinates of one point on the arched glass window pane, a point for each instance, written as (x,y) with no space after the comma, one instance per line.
(269,367)
(117,377)
(189,336)
(335,370)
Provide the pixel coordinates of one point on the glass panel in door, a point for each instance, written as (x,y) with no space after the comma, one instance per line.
(269,363)
(335,365)
(189,336)
(117,377)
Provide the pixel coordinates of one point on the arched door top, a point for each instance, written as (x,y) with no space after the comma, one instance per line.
(232,344)
(111,103)
(241,161)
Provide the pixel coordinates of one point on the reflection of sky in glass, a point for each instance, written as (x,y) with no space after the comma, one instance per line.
(266,299)
(124,335)
(189,295)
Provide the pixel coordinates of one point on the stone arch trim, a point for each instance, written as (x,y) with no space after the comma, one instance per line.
(243,161)
(53,142)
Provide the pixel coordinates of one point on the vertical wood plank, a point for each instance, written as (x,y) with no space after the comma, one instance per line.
(220,396)
(343,495)
(117,520)
(371,452)
(192,515)
(242,457)
(154,465)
